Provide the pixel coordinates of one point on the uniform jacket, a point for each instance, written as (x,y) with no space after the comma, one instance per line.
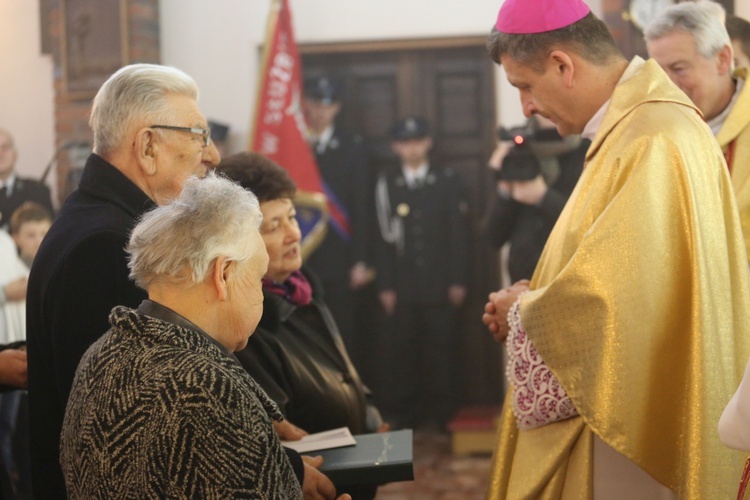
(345,171)
(158,410)
(297,356)
(735,136)
(80,273)
(24,190)
(431,253)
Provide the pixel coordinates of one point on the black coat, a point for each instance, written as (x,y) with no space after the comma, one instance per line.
(297,356)
(435,249)
(79,274)
(24,190)
(345,171)
(527,227)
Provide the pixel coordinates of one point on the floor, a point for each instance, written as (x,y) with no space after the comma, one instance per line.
(440,475)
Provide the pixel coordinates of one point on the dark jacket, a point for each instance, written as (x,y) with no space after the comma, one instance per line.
(345,171)
(527,227)
(297,356)
(24,190)
(80,273)
(173,415)
(434,251)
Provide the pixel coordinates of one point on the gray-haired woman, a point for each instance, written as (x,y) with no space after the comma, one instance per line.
(159,406)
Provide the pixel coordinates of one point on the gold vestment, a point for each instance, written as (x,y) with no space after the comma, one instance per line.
(734,138)
(639,306)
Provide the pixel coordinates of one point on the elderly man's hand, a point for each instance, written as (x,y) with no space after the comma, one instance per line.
(315,485)
(13,368)
(496,310)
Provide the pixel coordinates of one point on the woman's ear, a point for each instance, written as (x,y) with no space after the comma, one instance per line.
(146,149)
(221,276)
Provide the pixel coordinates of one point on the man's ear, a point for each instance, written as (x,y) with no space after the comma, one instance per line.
(562,65)
(220,277)
(726,58)
(146,149)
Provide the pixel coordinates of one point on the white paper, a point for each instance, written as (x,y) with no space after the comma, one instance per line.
(335,438)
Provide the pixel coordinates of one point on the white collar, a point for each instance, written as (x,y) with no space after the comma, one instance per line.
(415,176)
(717,121)
(321,141)
(592,127)
(9,183)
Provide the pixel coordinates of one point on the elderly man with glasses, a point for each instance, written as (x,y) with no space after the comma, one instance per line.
(149,137)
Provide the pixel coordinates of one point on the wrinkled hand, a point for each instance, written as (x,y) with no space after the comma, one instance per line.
(496,310)
(529,192)
(13,368)
(316,485)
(287,431)
(16,289)
(358,276)
(388,299)
(456,295)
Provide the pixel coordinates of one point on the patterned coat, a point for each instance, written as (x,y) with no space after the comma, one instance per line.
(158,410)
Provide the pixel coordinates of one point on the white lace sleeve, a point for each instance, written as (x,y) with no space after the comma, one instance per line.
(538,398)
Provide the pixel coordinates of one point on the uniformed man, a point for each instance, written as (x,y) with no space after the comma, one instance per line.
(15,190)
(340,262)
(422,275)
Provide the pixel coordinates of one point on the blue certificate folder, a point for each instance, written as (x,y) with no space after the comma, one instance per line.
(385,457)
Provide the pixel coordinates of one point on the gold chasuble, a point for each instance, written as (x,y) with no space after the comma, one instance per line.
(639,306)
(734,139)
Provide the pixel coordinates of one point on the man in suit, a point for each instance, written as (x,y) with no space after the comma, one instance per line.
(15,190)
(140,159)
(341,260)
(422,274)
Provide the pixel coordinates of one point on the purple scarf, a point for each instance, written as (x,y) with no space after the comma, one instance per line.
(296,289)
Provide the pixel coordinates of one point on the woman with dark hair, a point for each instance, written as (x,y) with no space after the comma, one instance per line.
(297,354)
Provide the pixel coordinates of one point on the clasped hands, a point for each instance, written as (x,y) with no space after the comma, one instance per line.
(496,310)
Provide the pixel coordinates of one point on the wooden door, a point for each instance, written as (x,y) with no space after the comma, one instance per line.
(450,83)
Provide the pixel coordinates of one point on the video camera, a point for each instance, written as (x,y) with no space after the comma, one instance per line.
(521,163)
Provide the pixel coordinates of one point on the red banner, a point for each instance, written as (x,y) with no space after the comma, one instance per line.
(279,128)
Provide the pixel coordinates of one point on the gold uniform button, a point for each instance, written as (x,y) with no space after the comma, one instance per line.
(402,209)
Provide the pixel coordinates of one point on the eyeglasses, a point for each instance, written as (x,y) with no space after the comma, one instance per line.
(205,133)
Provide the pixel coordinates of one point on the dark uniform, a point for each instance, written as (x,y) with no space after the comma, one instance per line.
(343,164)
(424,250)
(23,190)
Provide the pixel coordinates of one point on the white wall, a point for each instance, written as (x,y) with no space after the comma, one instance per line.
(26,88)
(217,42)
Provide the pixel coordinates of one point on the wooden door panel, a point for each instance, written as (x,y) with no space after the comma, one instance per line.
(453,88)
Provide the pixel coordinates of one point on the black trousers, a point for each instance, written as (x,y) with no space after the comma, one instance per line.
(421,361)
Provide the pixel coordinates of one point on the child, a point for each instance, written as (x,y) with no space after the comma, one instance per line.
(28,225)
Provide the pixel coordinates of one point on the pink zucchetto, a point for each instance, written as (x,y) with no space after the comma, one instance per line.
(524,17)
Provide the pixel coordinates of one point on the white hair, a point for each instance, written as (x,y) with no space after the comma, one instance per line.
(133,94)
(704,19)
(178,242)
